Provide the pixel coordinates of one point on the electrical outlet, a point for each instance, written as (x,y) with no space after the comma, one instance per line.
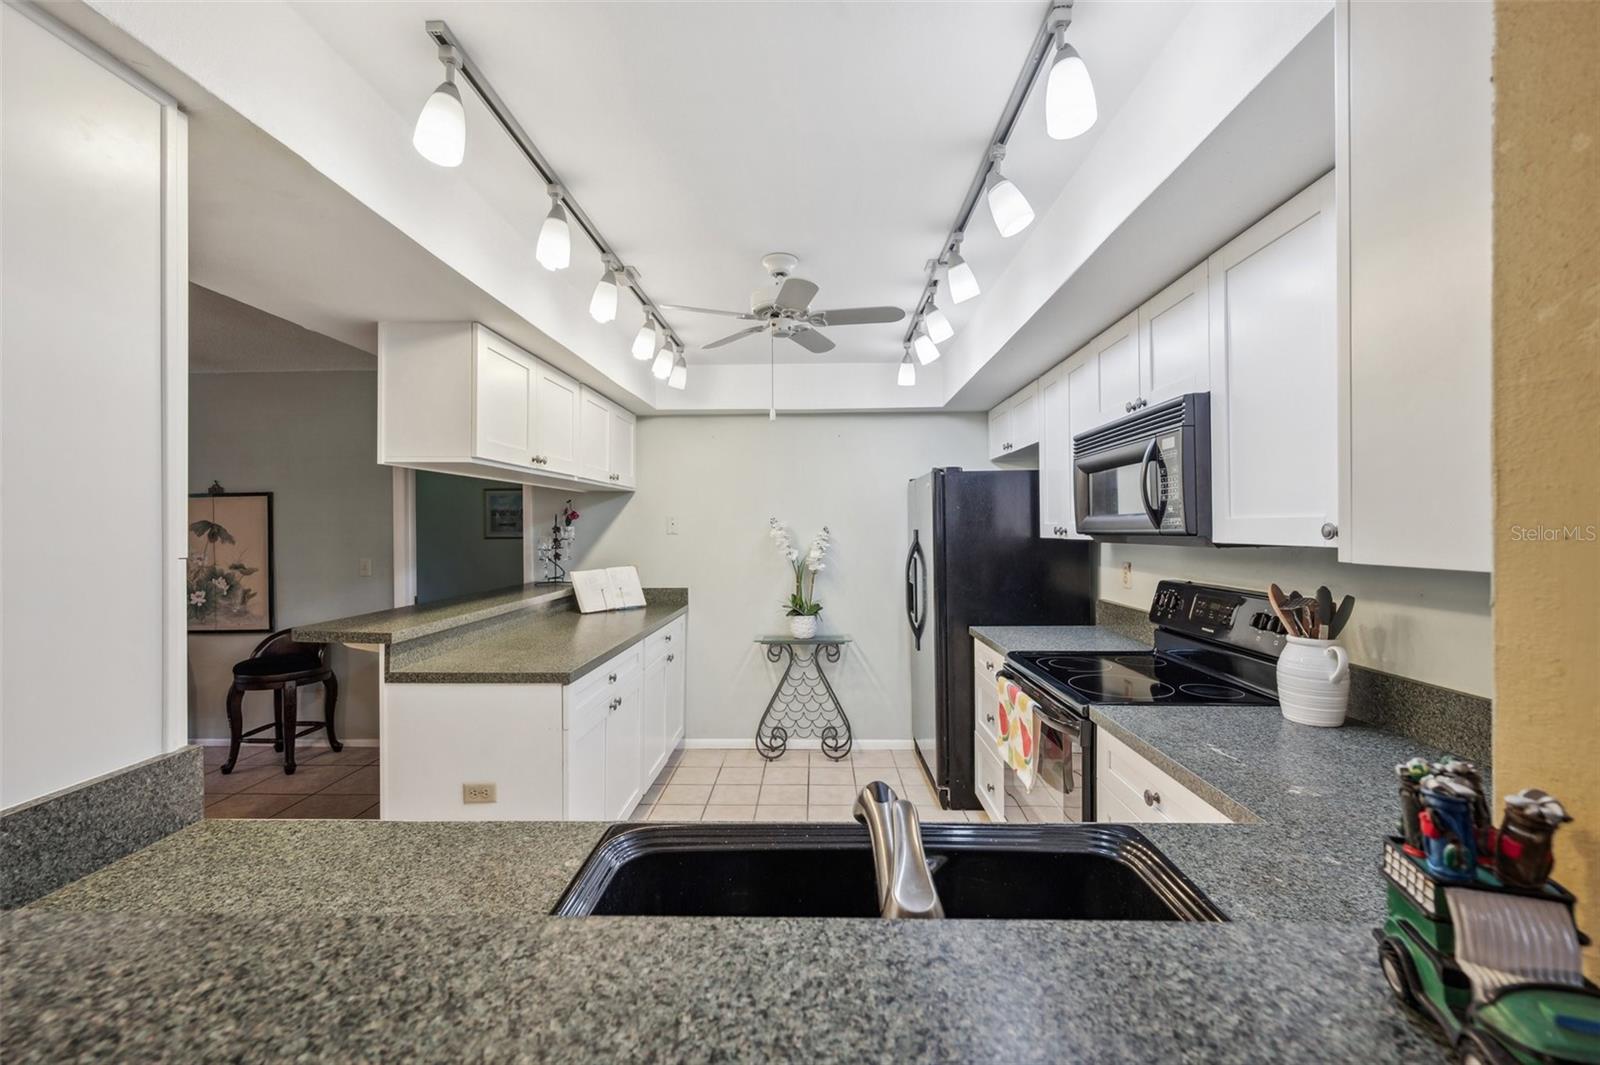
(672,526)
(471,793)
(1127,574)
(364,567)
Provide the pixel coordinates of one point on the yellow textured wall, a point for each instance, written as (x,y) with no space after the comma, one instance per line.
(1547,422)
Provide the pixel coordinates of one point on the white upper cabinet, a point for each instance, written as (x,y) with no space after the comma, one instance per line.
(1055,453)
(1175,339)
(1274,378)
(1014,424)
(456,397)
(1415,154)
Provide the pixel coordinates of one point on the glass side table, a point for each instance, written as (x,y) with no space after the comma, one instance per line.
(803,705)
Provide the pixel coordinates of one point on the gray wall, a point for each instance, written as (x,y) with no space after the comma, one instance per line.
(453,556)
(310,439)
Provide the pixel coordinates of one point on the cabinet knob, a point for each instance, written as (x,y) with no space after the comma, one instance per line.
(671,657)
(611,678)
(1127,408)
(989,788)
(989,666)
(669,637)
(1151,798)
(1330,531)
(989,718)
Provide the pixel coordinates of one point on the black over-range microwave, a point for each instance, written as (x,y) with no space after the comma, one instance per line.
(1147,475)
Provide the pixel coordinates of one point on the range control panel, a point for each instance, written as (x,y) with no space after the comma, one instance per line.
(1232,616)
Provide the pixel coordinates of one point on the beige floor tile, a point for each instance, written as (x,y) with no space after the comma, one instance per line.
(329,804)
(262,805)
(311,779)
(821,758)
(702,756)
(716,812)
(978,817)
(905,756)
(651,794)
(739,774)
(675,756)
(765,812)
(364,780)
(832,774)
(791,757)
(783,794)
(695,774)
(933,813)
(786,774)
(734,794)
(872,757)
(746,756)
(833,794)
(829,813)
(685,794)
(866,774)
(666,812)
(916,796)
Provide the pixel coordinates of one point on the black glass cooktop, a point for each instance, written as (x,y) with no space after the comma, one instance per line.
(1131,678)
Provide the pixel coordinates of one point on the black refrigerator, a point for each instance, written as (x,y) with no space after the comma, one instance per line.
(975,557)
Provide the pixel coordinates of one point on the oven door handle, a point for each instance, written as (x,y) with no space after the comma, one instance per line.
(1152,457)
(1061,717)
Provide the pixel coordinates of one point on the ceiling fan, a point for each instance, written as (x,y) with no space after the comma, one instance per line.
(787,311)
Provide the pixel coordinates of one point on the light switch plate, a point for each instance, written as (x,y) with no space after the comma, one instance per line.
(364,567)
(474,793)
(1127,574)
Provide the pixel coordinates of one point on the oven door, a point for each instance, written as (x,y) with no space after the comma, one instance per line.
(1063,786)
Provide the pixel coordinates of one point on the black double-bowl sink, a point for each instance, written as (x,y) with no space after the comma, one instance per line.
(993,872)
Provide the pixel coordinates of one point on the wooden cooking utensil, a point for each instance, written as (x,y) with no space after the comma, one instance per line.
(1280,607)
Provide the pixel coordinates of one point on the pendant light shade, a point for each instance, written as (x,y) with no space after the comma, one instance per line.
(554,250)
(440,136)
(908,371)
(661,369)
(927,351)
(939,327)
(644,341)
(1069,107)
(679,378)
(603,304)
(1007,205)
(963,282)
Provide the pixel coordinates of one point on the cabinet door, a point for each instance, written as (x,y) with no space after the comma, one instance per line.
(624,775)
(653,732)
(999,431)
(586,760)
(1274,378)
(1117,352)
(594,436)
(1055,455)
(621,429)
(503,387)
(677,688)
(555,419)
(1025,417)
(1175,339)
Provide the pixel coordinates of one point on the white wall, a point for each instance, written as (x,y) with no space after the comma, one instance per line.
(722,478)
(83,546)
(1430,625)
(308,438)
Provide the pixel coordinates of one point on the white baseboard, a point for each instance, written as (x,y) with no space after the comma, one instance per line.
(801,745)
(309,741)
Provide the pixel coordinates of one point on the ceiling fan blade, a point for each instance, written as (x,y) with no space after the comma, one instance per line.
(858,316)
(812,341)
(796,294)
(733,337)
(708,310)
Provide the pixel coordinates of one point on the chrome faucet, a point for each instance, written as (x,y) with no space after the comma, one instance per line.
(905,886)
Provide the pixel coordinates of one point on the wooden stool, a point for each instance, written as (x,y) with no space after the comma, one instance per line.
(280,664)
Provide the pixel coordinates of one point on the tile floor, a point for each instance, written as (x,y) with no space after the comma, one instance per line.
(704,784)
(325,783)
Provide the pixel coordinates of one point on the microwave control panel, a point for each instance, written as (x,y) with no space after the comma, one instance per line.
(1221,615)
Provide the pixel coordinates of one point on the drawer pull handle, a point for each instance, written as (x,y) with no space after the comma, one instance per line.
(989,666)
(671,657)
(989,718)
(611,678)
(989,788)
(1152,798)
(669,637)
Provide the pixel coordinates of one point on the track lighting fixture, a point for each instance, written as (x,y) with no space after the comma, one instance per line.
(645,340)
(440,135)
(939,327)
(554,250)
(1007,206)
(679,378)
(603,304)
(962,281)
(661,369)
(927,351)
(1069,105)
(908,370)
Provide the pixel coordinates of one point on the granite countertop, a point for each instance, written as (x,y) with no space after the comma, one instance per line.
(413,622)
(550,646)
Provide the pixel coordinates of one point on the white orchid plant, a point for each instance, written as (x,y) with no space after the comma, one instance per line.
(806,567)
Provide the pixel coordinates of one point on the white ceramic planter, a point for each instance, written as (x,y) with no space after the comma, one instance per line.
(803,626)
(1313,682)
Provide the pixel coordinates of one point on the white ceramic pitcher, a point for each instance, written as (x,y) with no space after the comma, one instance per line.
(1313,681)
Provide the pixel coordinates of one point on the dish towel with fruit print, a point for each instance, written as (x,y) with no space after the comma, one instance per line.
(1017,732)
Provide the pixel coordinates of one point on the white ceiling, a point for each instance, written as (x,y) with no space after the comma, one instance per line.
(700,136)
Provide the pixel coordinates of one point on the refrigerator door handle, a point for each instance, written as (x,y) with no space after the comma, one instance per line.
(916,588)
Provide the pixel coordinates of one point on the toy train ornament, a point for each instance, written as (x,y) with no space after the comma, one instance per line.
(1477,936)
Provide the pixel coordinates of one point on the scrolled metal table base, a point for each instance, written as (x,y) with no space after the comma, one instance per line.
(804,703)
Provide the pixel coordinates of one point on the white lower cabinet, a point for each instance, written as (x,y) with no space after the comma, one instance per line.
(1129,789)
(625,779)
(989,772)
(585,768)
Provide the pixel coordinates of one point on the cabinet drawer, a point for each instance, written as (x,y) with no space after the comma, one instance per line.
(986,661)
(989,775)
(663,640)
(1128,777)
(608,675)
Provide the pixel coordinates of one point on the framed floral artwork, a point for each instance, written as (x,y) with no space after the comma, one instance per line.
(229,586)
(502,513)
